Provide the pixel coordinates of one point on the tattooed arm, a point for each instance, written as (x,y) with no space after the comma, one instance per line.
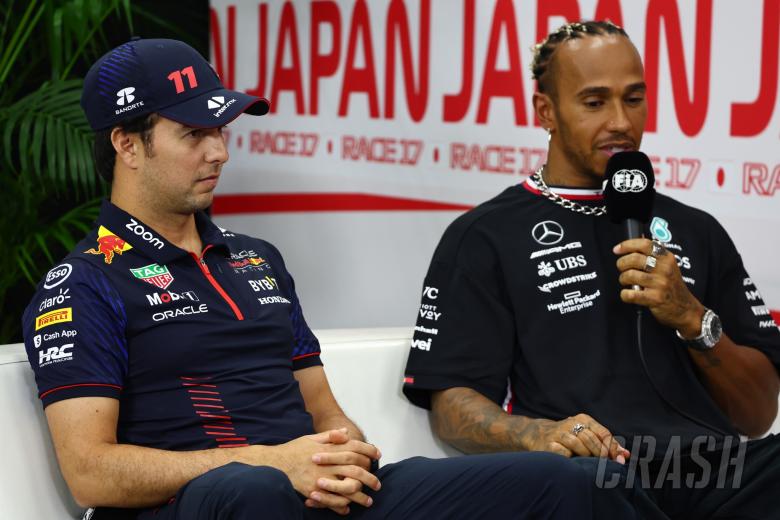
(472,423)
(741,379)
(743,382)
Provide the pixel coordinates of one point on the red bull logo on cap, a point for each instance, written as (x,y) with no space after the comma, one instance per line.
(108,245)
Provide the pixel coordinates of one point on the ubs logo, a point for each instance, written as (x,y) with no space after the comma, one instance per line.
(547,233)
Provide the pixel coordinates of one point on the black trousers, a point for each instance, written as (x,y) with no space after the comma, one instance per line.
(741,482)
(497,486)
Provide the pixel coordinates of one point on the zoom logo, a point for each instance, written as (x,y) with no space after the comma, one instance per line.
(125,96)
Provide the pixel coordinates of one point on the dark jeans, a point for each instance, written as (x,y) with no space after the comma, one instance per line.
(498,486)
(742,482)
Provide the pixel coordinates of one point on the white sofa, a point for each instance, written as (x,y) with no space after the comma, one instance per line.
(364,366)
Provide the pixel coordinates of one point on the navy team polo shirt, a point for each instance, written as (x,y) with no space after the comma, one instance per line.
(200,351)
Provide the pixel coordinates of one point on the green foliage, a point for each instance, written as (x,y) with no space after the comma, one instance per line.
(49,192)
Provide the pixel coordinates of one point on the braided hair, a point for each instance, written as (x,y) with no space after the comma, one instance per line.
(545,51)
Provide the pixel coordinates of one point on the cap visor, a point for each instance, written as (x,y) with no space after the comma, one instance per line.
(215,108)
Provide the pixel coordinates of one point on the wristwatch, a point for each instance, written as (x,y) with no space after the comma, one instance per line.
(711,330)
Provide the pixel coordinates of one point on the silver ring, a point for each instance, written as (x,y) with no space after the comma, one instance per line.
(658,249)
(577,429)
(650,263)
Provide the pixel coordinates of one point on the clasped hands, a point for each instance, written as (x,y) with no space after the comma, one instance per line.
(330,469)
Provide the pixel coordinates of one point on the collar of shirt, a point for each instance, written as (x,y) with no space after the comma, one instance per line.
(151,243)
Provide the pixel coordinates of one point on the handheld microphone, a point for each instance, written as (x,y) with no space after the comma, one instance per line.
(630,190)
(629,195)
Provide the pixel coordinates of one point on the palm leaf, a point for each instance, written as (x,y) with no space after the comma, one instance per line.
(33,254)
(19,39)
(53,135)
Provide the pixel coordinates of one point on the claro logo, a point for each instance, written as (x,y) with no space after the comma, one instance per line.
(139,230)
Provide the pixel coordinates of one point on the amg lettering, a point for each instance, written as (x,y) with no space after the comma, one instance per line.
(558,249)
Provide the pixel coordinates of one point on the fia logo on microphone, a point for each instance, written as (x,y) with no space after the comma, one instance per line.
(629,181)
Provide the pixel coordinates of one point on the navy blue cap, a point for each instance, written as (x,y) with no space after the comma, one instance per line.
(164,76)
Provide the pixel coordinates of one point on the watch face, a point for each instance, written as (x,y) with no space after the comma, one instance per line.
(716,328)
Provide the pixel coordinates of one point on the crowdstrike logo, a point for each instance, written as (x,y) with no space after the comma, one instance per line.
(125,96)
(219,103)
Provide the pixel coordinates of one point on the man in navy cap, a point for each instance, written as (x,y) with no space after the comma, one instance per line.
(178,375)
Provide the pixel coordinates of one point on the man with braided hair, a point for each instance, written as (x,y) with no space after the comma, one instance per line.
(526,338)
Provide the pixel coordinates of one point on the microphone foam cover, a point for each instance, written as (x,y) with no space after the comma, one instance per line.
(630,189)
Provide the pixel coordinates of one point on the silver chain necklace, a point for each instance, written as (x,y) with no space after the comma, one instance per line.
(576,207)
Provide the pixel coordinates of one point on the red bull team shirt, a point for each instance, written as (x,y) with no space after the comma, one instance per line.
(200,351)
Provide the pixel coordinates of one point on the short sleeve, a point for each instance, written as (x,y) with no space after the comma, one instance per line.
(736,299)
(464,333)
(74,334)
(306,346)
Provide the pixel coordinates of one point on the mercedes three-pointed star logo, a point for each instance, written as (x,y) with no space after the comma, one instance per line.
(547,233)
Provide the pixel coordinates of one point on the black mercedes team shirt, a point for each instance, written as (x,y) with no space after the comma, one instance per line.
(199,351)
(522,304)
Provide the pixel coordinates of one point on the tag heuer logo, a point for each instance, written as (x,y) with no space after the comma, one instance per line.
(157,275)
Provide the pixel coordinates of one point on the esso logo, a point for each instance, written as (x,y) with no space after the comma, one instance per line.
(629,181)
(57,275)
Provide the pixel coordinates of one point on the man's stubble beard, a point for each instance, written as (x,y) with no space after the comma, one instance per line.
(156,194)
(580,162)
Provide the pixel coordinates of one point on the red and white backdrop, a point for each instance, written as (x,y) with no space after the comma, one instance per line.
(391,117)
